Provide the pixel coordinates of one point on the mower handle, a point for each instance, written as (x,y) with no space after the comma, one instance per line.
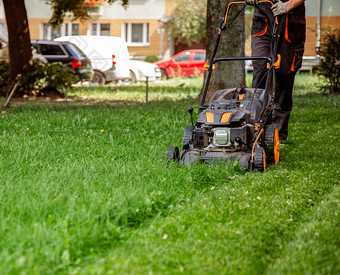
(243,58)
(223,26)
(242,2)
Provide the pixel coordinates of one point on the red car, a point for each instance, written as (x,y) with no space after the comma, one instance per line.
(185,63)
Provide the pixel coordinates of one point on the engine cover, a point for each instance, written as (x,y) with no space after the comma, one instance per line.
(221,137)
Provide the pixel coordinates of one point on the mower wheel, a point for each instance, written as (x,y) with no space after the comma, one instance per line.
(259,161)
(187,137)
(272,143)
(172,154)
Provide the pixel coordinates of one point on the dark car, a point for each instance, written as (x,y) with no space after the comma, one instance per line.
(66,53)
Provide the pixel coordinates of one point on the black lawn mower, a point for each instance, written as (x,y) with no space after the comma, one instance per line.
(236,125)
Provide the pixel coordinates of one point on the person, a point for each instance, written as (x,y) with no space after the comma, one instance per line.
(291,49)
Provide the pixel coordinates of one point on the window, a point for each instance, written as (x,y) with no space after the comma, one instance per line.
(49,49)
(183,57)
(199,56)
(136,34)
(56,32)
(49,33)
(102,29)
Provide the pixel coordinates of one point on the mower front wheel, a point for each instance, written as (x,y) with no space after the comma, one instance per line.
(259,159)
(172,154)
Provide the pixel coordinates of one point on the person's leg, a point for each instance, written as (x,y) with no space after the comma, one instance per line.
(260,46)
(283,102)
(284,82)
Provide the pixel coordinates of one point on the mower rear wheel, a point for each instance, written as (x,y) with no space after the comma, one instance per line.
(272,143)
(172,154)
(259,160)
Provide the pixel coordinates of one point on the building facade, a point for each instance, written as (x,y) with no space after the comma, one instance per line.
(144,24)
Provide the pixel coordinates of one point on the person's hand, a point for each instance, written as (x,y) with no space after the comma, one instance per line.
(252,2)
(279,8)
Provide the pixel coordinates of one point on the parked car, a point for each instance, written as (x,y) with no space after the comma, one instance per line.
(185,63)
(189,63)
(66,53)
(139,70)
(109,56)
(249,66)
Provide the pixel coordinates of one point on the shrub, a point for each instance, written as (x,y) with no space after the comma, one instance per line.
(329,67)
(151,58)
(50,76)
(40,78)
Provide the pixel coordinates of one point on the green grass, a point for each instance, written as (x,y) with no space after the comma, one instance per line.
(75,199)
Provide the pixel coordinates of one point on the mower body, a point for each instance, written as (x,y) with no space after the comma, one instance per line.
(236,125)
(226,129)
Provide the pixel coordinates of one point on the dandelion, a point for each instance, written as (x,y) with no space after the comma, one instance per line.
(27,129)
(101,130)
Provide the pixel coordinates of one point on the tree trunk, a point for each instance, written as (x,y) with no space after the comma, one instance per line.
(232,73)
(19,44)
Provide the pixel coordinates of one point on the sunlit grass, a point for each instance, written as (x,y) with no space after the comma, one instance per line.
(85,189)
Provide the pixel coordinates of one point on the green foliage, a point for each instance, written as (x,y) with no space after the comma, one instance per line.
(188,21)
(151,58)
(329,67)
(52,76)
(86,190)
(78,8)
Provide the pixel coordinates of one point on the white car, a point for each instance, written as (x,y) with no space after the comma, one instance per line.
(108,54)
(139,70)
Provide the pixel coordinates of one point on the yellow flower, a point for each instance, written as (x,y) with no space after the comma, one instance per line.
(102,130)
(27,129)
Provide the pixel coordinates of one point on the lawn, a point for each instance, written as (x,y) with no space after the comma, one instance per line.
(85,189)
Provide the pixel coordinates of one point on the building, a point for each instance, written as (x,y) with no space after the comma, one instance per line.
(143,24)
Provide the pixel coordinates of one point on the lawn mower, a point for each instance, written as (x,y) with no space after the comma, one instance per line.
(236,124)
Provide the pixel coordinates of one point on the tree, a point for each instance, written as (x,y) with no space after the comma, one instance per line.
(227,74)
(20,54)
(188,21)
(19,43)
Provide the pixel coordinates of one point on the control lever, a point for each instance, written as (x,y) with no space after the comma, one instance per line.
(191,110)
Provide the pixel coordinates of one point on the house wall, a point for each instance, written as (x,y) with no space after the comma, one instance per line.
(326,22)
(139,11)
(330,12)
(151,11)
